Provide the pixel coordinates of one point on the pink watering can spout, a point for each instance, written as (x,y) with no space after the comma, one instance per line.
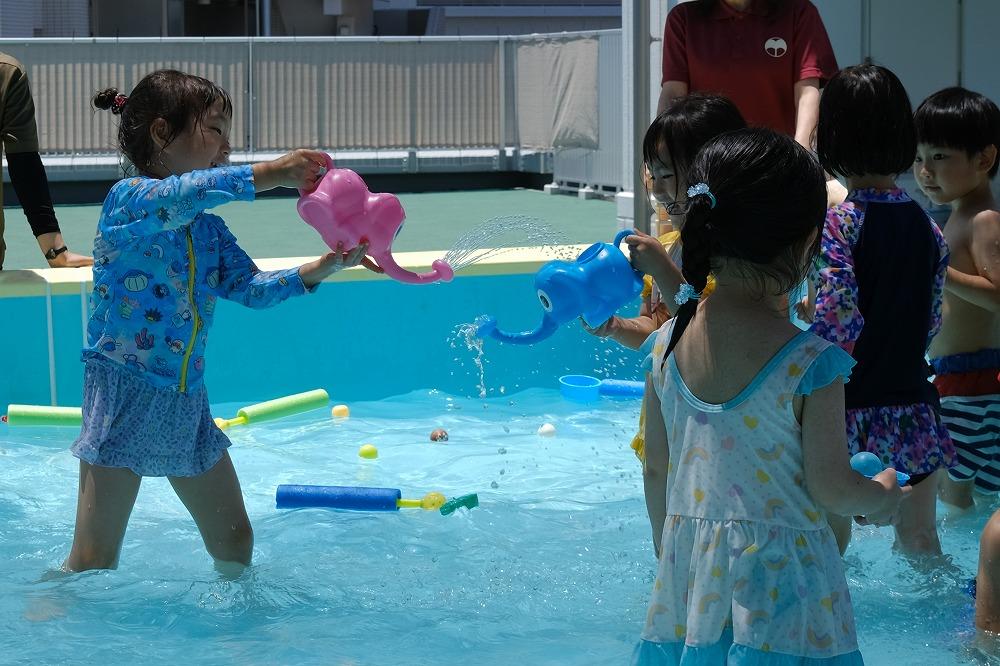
(344,211)
(440,271)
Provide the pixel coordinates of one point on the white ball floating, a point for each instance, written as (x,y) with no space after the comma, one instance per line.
(547,430)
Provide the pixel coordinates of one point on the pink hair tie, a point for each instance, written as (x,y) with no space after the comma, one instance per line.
(118,104)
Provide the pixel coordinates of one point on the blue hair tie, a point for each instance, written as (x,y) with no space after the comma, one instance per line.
(702,188)
(685,294)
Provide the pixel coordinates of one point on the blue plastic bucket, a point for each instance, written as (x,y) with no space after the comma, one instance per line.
(580,388)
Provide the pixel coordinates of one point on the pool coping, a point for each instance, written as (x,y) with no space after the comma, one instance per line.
(31,282)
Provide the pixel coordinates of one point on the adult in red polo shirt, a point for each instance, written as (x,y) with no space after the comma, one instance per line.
(769,56)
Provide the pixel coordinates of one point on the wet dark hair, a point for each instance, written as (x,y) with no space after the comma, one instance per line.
(182,100)
(770,203)
(771,7)
(960,119)
(865,123)
(687,125)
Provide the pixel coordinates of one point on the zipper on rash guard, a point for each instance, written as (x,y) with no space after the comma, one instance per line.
(195,320)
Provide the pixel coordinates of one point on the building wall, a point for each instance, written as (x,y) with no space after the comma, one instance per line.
(306,18)
(127,18)
(17,18)
(63,18)
(524,25)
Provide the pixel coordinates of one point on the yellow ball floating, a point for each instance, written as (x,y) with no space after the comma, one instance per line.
(368,451)
(432,501)
(340,411)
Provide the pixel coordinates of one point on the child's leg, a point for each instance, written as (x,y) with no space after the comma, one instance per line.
(215,501)
(974,426)
(104,503)
(916,531)
(988,579)
(956,493)
(841,526)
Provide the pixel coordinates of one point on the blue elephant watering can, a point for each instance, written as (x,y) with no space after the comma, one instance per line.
(593,286)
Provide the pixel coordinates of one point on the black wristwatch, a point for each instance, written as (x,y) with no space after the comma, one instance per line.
(55,252)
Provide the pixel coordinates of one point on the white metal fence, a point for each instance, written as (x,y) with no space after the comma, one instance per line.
(350,93)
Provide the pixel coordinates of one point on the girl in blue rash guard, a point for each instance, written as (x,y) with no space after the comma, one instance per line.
(161,262)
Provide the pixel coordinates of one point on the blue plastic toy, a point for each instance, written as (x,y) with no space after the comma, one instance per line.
(355,498)
(593,286)
(581,388)
(868,464)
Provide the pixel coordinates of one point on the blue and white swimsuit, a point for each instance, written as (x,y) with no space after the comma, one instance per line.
(160,264)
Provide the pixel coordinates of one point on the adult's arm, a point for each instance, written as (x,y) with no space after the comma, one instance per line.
(806,110)
(675,79)
(815,63)
(670,91)
(27,175)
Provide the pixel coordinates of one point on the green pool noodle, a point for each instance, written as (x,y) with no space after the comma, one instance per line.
(466,501)
(41,415)
(286,406)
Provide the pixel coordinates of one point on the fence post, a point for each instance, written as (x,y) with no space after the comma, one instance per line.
(411,78)
(250,100)
(640,110)
(502,85)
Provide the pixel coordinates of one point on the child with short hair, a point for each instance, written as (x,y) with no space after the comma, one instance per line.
(958,134)
(878,281)
(161,264)
(745,447)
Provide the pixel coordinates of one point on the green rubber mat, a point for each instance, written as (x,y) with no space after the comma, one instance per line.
(271,227)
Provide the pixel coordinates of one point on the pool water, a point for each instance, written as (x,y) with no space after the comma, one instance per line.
(553,567)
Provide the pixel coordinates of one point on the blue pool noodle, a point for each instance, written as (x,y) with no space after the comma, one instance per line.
(337,497)
(622,388)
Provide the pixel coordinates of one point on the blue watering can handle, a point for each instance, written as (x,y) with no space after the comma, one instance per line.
(620,236)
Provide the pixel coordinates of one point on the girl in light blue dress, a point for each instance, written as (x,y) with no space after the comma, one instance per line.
(745,449)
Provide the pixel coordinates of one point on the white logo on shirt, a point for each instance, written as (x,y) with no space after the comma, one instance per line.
(775,47)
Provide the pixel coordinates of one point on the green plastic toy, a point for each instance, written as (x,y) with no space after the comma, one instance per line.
(466,501)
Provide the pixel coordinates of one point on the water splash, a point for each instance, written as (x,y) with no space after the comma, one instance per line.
(468,333)
(498,235)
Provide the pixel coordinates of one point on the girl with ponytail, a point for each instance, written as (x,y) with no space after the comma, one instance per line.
(745,453)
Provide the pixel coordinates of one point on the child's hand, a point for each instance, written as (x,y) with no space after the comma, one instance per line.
(647,254)
(300,169)
(316,271)
(607,329)
(888,514)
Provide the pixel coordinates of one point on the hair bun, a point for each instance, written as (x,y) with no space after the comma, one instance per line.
(105,99)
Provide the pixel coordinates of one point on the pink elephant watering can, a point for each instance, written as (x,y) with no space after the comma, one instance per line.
(342,210)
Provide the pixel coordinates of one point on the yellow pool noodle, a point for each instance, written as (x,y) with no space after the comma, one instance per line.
(41,415)
(277,408)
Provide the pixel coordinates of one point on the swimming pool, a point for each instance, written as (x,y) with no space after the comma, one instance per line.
(553,567)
